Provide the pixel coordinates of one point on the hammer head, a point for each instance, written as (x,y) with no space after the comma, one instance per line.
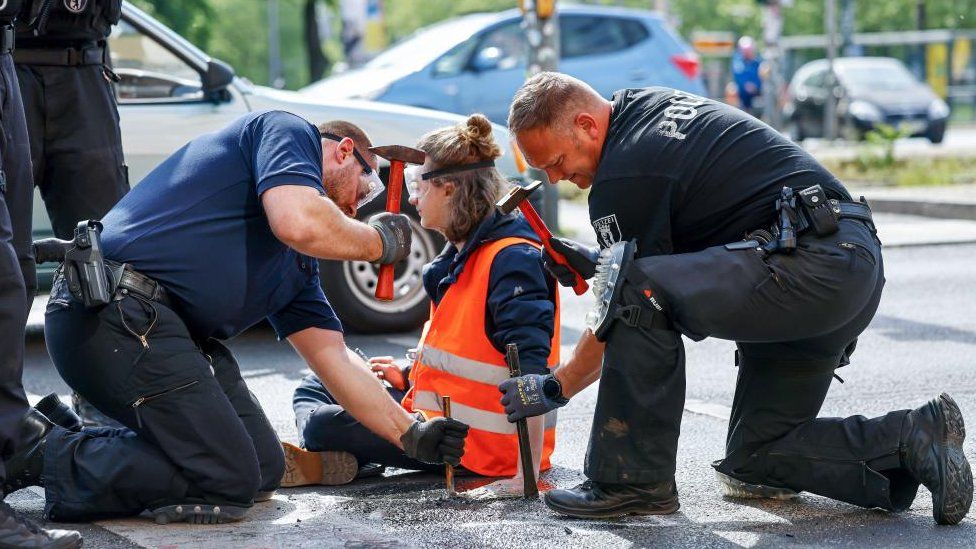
(515,197)
(402,153)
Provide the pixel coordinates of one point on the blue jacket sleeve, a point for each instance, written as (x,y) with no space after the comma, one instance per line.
(519,308)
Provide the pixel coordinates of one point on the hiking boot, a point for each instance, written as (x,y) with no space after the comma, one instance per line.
(600,500)
(26,467)
(16,531)
(735,488)
(931,451)
(328,468)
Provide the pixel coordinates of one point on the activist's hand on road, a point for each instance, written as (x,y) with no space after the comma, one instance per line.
(582,259)
(439,440)
(524,397)
(395,233)
(386,369)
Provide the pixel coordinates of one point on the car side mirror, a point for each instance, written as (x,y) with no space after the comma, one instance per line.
(219,75)
(487,59)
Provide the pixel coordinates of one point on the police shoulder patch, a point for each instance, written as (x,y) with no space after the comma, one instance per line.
(607,230)
(75,6)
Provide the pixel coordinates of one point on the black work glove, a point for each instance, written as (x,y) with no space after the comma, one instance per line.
(395,232)
(439,440)
(526,396)
(582,259)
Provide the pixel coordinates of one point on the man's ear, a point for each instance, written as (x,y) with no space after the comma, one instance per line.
(587,123)
(345,149)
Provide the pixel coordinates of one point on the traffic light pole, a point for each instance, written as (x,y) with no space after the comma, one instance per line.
(541,25)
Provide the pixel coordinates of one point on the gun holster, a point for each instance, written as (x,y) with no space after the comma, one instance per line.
(83,264)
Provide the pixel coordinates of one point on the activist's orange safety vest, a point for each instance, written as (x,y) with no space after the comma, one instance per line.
(457,359)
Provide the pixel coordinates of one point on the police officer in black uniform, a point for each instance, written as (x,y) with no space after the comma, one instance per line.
(715,225)
(16,273)
(65,76)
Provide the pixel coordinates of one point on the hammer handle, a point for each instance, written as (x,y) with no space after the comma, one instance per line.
(532,216)
(384,284)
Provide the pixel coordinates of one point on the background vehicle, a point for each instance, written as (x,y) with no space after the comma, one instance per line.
(475,63)
(870,91)
(171,92)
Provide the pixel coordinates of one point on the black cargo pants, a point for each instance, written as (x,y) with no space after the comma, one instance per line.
(794,318)
(16,262)
(194,432)
(75,141)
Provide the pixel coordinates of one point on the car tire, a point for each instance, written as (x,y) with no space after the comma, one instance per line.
(350,287)
(936,137)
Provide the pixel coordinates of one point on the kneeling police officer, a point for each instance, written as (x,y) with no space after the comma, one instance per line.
(222,234)
(675,182)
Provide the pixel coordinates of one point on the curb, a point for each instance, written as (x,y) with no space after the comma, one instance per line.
(943,210)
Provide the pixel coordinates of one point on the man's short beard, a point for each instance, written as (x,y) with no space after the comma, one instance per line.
(333,180)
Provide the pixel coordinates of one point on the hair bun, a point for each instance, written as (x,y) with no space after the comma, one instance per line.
(477,133)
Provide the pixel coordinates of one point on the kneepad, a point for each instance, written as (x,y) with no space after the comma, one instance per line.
(623,293)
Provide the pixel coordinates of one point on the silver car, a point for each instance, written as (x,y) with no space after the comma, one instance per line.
(171,92)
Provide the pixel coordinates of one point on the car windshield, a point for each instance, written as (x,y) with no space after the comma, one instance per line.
(884,77)
(427,44)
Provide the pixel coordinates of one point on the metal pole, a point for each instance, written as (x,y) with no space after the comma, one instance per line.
(830,102)
(543,39)
(274,46)
(773,59)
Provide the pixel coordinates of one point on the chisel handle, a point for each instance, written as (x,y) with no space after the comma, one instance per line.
(448,468)
(529,487)
(532,216)
(384,283)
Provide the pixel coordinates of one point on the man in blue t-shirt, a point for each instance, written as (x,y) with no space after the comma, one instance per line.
(219,236)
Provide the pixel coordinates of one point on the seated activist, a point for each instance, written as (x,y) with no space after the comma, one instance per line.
(488,289)
(219,236)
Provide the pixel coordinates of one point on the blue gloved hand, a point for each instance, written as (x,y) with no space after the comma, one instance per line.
(527,396)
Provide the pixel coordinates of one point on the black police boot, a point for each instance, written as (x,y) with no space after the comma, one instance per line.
(601,500)
(90,415)
(59,412)
(26,467)
(198,512)
(17,531)
(931,451)
(734,488)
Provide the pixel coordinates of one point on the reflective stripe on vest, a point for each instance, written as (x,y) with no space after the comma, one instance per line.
(478,419)
(457,359)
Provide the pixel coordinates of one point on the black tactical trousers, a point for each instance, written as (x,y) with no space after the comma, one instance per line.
(194,432)
(16,263)
(794,318)
(75,142)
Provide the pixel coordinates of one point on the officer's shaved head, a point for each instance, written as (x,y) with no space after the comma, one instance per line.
(550,100)
(352,131)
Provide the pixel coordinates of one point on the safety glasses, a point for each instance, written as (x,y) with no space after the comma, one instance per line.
(412,177)
(369,179)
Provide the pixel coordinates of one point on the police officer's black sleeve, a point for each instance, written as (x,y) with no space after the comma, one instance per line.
(519,307)
(283,149)
(309,309)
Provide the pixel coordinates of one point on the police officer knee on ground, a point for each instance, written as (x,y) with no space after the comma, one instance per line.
(675,182)
(223,234)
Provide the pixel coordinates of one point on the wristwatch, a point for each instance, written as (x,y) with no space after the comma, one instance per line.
(553,390)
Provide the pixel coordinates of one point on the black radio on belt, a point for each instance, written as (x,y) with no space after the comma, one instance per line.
(821,213)
(84,264)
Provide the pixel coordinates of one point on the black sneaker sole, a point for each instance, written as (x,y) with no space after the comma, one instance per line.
(631,508)
(955,497)
(198,513)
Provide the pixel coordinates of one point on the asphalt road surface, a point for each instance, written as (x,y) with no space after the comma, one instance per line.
(922,342)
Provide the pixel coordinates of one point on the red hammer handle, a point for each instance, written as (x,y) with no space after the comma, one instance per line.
(532,216)
(384,284)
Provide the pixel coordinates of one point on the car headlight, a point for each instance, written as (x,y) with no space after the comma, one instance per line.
(862,110)
(370,94)
(938,109)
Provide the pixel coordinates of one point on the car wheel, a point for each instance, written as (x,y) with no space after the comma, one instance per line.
(936,137)
(351,286)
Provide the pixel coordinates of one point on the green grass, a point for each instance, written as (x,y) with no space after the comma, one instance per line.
(949,170)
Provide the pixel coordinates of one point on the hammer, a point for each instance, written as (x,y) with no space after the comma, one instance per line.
(517,197)
(398,155)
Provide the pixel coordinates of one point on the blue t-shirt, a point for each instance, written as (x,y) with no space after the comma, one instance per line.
(196,225)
